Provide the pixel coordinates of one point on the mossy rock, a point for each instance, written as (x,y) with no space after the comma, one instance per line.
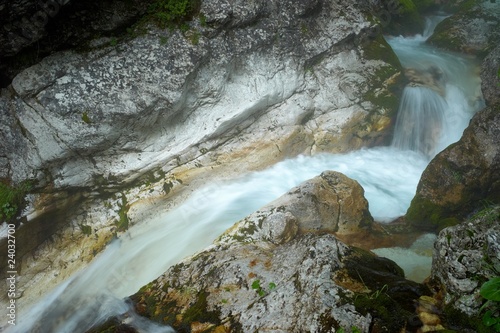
(423,214)
(406,20)
(446,37)
(388,297)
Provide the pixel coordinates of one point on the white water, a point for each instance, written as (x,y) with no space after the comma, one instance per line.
(389,176)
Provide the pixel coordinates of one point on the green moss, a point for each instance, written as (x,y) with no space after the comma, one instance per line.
(424,214)
(198,312)
(444,36)
(385,311)
(170,13)
(85,118)
(385,76)
(379,49)
(424,5)
(85,229)
(406,20)
(12,198)
(123,220)
(459,321)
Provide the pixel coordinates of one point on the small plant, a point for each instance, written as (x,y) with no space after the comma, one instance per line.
(490,290)
(113,41)
(85,229)
(123,221)
(203,20)
(172,12)
(258,288)
(11,198)
(195,38)
(163,40)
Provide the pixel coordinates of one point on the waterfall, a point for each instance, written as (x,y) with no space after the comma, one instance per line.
(420,121)
(434,110)
(441,97)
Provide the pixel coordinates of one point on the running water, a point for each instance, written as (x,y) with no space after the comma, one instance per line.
(442,106)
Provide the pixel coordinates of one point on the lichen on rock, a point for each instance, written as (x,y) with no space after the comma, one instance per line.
(282,268)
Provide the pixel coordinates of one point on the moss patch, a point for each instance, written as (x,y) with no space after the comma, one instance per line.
(460,322)
(123,220)
(423,214)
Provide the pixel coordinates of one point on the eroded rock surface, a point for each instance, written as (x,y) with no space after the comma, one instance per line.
(465,256)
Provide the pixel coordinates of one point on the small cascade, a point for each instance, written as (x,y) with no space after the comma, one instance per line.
(420,121)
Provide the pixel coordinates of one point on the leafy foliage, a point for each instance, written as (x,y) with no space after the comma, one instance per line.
(173,12)
(490,291)
(11,198)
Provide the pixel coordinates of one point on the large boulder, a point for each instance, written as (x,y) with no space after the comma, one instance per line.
(282,269)
(331,202)
(462,177)
(466,256)
(473,29)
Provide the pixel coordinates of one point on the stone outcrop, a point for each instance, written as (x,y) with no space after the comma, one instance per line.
(473,29)
(465,256)
(164,98)
(331,202)
(462,177)
(281,269)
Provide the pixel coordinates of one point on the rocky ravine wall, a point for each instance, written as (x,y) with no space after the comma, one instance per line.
(108,132)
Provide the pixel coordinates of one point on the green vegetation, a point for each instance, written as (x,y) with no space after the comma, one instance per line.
(426,215)
(170,13)
(12,198)
(490,291)
(123,220)
(85,229)
(258,288)
(85,118)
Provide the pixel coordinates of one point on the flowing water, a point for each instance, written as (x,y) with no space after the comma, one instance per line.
(432,115)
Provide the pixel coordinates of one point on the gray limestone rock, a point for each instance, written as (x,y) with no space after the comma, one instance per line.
(465,256)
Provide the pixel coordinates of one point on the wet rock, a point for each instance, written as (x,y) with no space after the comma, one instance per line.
(331,202)
(462,177)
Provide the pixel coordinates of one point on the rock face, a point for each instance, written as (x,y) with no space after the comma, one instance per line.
(490,78)
(167,97)
(281,269)
(465,256)
(32,29)
(462,177)
(474,28)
